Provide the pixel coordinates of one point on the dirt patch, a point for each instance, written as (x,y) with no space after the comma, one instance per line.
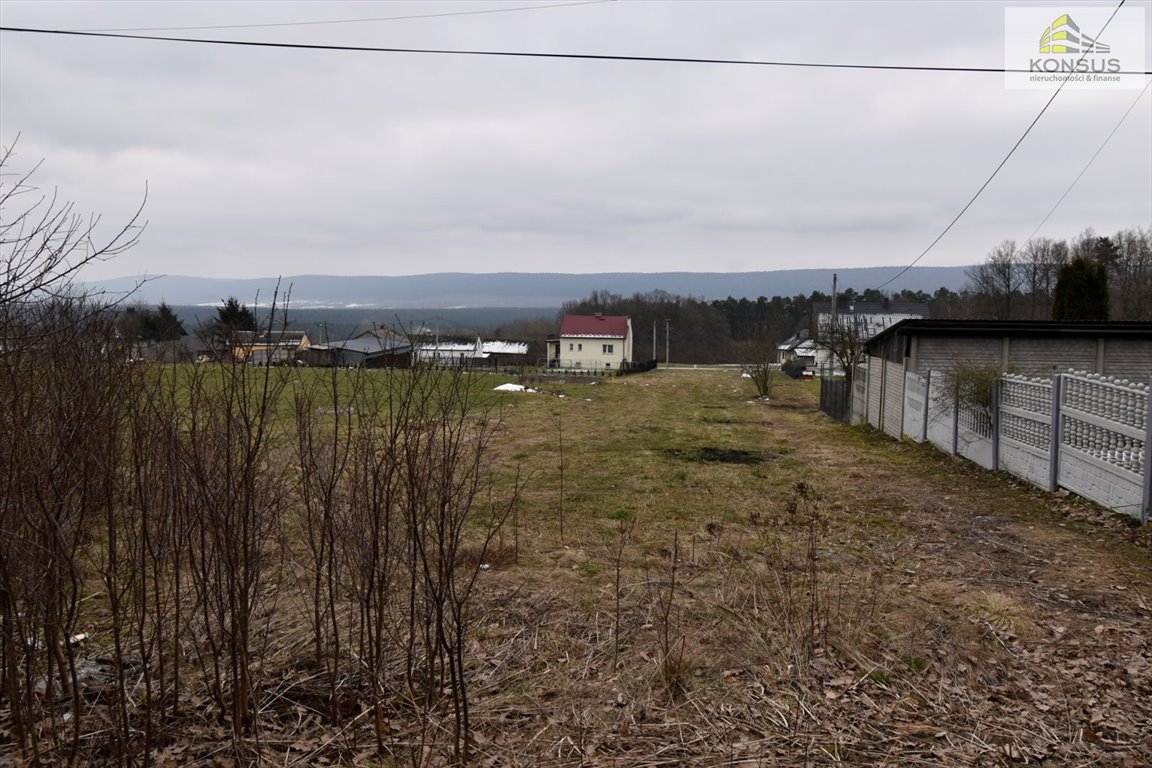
(719,455)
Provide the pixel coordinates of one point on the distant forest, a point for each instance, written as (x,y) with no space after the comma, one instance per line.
(1013,283)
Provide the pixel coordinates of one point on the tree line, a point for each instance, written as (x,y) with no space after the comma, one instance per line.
(1105,278)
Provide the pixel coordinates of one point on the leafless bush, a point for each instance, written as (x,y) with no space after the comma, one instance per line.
(59,455)
(673,670)
(162,496)
(404,531)
(324,421)
(236,494)
(155,524)
(448,498)
(758,353)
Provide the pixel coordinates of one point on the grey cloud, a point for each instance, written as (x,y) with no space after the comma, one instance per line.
(279,162)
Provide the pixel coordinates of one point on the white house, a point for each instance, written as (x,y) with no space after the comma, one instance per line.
(593,342)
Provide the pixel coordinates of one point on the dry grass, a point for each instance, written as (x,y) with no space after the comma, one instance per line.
(741,582)
(899,618)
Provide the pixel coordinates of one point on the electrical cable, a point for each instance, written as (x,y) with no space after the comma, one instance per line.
(350,21)
(1091,160)
(528,54)
(1011,152)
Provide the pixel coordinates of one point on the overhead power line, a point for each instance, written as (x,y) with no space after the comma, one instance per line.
(1091,159)
(528,54)
(352,21)
(1011,152)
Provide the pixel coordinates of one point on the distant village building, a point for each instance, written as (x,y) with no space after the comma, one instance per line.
(869,317)
(799,349)
(268,347)
(370,352)
(595,342)
(384,333)
(862,319)
(474,354)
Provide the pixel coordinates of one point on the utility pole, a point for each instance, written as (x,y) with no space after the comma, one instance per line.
(833,299)
(667,359)
(832,324)
(654,341)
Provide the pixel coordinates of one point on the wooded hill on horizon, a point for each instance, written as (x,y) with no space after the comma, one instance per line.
(514,289)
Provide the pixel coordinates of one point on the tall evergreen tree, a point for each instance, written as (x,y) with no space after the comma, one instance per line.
(231,318)
(234,316)
(161,325)
(1081,291)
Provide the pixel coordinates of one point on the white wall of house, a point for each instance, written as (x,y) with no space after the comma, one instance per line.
(595,351)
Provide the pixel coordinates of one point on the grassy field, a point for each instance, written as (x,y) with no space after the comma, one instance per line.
(731,581)
(694,576)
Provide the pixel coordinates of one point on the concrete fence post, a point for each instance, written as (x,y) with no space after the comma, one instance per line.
(927,405)
(883,395)
(1146,493)
(996,425)
(955,420)
(1055,436)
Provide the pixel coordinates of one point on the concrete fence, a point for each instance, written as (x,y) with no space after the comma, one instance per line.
(1084,432)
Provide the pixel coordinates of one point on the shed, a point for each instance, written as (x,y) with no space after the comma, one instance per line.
(1028,347)
(357,353)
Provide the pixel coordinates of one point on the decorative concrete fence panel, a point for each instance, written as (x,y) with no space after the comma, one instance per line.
(1026,429)
(1103,429)
(893,398)
(975,429)
(915,407)
(876,385)
(1085,432)
(941,415)
(860,395)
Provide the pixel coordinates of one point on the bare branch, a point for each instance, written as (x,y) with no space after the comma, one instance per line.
(45,243)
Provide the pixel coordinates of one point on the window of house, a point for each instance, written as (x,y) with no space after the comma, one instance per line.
(579,347)
(571,347)
(608,349)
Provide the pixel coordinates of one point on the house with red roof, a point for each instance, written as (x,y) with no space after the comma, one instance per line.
(592,342)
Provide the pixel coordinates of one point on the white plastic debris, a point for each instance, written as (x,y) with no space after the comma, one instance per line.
(510,387)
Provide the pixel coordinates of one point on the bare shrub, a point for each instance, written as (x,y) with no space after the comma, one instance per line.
(324,422)
(235,497)
(60,455)
(758,354)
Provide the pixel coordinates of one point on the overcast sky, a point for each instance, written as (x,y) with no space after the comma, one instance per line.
(282,162)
